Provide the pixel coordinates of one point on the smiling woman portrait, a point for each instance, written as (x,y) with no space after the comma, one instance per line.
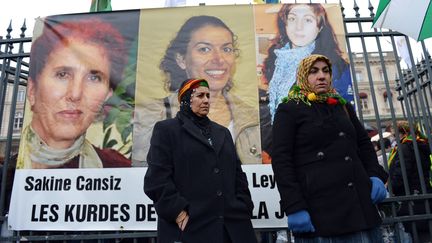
(76,72)
(204,47)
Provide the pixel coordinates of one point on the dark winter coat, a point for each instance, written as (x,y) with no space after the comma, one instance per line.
(186,173)
(322,161)
(411,169)
(413,179)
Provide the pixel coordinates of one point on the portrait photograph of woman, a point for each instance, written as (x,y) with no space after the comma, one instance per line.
(214,43)
(287,33)
(82,62)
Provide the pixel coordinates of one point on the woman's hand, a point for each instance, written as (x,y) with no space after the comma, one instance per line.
(182,220)
(378,191)
(300,222)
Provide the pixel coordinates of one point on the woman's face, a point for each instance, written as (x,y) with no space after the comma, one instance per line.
(69,92)
(210,56)
(319,77)
(302,25)
(200,104)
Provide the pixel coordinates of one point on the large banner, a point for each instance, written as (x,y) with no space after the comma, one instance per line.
(98,82)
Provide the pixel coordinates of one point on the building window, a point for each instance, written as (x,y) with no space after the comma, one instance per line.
(381,72)
(387,99)
(21,95)
(363,100)
(18,121)
(359,75)
(364,104)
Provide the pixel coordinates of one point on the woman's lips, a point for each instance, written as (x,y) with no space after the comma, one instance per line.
(216,73)
(70,114)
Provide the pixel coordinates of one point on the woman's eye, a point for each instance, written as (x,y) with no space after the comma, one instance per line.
(310,20)
(202,95)
(228,49)
(313,70)
(94,77)
(291,19)
(62,75)
(204,49)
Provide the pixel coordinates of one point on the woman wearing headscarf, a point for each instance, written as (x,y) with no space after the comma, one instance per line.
(302,30)
(404,154)
(325,166)
(194,176)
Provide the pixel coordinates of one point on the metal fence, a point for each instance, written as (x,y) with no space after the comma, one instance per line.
(407,88)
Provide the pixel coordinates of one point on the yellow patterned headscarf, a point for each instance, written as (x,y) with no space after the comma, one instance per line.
(302,91)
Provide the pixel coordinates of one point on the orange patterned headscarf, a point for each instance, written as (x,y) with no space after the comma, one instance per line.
(191,84)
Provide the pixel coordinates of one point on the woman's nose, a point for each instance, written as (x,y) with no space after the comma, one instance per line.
(217,57)
(321,75)
(206,99)
(75,90)
(299,25)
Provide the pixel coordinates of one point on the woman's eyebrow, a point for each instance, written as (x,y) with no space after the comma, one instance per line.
(202,43)
(64,68)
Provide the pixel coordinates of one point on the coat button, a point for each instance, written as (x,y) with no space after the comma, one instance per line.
(320,155)
(219,193)
(347,158)
(216,170)
(350,184)
(341,134)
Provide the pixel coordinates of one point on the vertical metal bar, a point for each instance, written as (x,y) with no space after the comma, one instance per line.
(3,88)
(354,76)
(12,113)
(4,74)
(369,74)
(389,98)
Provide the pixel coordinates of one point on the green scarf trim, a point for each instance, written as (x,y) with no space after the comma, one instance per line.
(297,94)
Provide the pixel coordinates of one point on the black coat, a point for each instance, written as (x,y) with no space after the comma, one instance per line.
(186,172)
(322,161)
(411,169)
(413,180)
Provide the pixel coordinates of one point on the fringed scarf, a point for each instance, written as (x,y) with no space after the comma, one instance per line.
(286,63)
(303,91)
(407,138)
(36,150)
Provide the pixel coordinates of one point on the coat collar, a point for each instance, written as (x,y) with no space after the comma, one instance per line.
(217,133)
